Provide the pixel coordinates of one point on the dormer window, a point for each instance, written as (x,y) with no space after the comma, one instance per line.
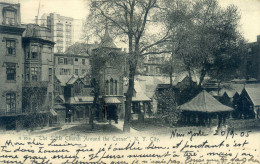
(9,16)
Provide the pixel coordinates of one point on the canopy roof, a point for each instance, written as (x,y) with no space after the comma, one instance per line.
(112,100)
(204,102)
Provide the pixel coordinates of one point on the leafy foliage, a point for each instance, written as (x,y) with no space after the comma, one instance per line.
(206,38)
(167,107)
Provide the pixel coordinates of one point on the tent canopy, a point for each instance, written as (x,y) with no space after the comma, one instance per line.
(204,102)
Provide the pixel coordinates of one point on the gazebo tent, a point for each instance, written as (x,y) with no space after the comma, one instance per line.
(204,106)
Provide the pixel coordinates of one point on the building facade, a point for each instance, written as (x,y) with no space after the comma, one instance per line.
(38,69)
(11,61)
(69,64)
(153,65)
(62,30)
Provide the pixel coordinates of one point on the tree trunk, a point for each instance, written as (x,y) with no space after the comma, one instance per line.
(171,70)
(190,78)
(170,74)
(202,76)
(94,105)
(129,96)
(219,87)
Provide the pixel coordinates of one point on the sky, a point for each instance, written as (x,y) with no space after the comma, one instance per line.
(78,9)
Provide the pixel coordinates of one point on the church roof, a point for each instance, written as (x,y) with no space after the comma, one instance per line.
(107,41)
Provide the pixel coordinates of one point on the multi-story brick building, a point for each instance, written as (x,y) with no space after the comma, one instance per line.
(38,69)
(11,61)
(62,30)
(153,65)
(69,64)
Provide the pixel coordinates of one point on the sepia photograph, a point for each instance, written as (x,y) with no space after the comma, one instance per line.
(130,81)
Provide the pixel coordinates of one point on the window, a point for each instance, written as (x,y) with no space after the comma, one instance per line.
(10,102)
(11,73)
(35,72)
(76,59)
(62,71)
(115,87)
(68,28)
(146,68)
(10,47)
(34,51)
(10,17)
(50,98)
(107,88)
(65,61)
(50,74)
(66,71)
(76,71)
(60,60)
(111,86)
(158,70)
(83,61)
(27,74)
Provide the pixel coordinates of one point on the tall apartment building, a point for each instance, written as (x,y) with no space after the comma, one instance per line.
(11,63)
(62,30)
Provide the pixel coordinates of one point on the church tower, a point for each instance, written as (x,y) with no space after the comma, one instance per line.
(110,79)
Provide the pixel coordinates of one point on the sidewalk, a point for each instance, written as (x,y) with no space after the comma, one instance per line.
(76,127)
(120,126)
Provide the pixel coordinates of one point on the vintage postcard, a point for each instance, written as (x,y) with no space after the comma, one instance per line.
(129,81)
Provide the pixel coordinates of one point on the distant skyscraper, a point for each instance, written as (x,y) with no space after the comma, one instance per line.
(62,29)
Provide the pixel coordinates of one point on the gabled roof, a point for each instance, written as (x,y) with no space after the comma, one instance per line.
(72,80)
(253,91)
(63,79)
(60,98)
(204,102)
(181,76)
(68,79)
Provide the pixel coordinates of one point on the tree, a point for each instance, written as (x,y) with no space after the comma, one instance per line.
(208,37)
(217,36)
(178,20)
(129,19)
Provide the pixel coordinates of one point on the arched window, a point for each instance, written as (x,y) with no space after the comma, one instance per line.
(111,86)
(115,87)
(107,88)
